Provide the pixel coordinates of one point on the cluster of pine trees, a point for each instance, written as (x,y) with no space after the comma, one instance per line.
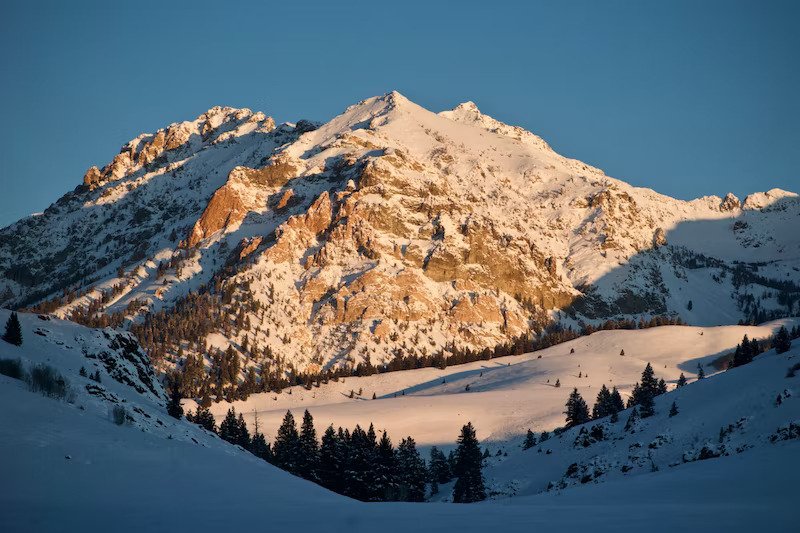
(645,391)
(746,350)
(357,463)
(609,402)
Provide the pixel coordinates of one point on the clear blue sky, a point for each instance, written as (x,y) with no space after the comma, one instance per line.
(689,98)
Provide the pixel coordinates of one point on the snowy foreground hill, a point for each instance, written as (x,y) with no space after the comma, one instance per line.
(389,230)
(70,467)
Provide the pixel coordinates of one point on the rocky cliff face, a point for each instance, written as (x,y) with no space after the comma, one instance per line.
(390,230)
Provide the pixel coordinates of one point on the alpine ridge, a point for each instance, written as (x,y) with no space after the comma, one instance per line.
(388,231)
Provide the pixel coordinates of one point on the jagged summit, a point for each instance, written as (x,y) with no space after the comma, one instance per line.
(389,229)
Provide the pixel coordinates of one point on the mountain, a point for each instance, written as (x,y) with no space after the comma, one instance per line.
(67,465)
(388,231)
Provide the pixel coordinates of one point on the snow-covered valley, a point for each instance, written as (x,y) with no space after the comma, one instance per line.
(68,466)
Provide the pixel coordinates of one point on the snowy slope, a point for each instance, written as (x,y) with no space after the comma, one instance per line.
(67,468)
(124,480)
(508,395)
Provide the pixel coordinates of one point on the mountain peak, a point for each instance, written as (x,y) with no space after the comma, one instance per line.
(468,107)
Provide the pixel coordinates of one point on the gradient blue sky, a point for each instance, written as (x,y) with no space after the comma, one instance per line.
(689,98)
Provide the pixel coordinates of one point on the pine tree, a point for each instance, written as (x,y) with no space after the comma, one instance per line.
(309,456)
(701,374)
(615,403)
(643,393)
(372,438)
(387,487)
(604,406)
(174,407)
(242,434)
(530,440)
(287,445)
(782,343)
(647,406)
(260,447)
(13,334)
(681,381)
(204,418)
(632,418)
(412,474)
(744,353)
(358,462)
(469,485)
(439,466)
(229,429)
(82,371)
(649,382)
(329,470)
(673,410)
(577,411)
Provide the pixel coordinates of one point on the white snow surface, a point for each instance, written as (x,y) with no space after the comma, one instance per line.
(507,395)
(67,467)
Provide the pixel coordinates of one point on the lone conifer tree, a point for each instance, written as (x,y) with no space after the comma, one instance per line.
(577,411)
(673,410)
(701,374)
(13,334)
(681,380)
(530,440)
(782,342)
(469,486)
(631,422)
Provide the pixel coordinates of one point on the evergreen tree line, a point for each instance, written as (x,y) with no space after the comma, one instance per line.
(609,402)
(748,349)
(227,307)
(358,463)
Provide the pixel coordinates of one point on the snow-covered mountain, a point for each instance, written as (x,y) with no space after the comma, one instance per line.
(389,230)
